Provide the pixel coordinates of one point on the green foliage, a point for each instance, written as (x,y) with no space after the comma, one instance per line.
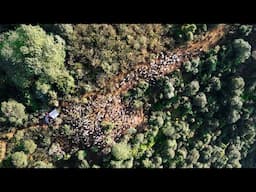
(14,112)
(66,31)
(56,152)
(139,138)
(42,165)
(242,50)
(122,164)
(32,58)
(193,87)
(200,100)
(19,135)
(29,146)
(84,164)
(185,32)
(245,29)
(156,119)
(192,66)
(169,90)
(137,104)
(215,83)
(193,156)
(121,151)
(115,47)
(95,167)
(237,83)
(19,159)
(236,102)
(234,116)
(81,155)
(168,129)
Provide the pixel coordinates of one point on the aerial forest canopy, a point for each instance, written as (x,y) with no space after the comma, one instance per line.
(33,62)
(127,96)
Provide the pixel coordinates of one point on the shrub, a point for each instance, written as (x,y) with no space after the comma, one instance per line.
(19,159)
(200,100)
(121,151)
(29,146)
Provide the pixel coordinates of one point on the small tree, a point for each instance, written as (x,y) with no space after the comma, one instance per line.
(168,130)
(200,100)
(157,119)
(139,138)
(245,29)
(81,155)
(234,116)
(19,159)
(215,83)
(121,151)
(193,87)
(29,146)
(137,104)
(236,102)
(42,164)
(84,164)
(193,156)
(242,50)
(237,83)
(168,90)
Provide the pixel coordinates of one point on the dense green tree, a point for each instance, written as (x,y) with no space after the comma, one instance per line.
(193,156)
(122,164)
(171,144)
(187,66)
(19,159)
(236,102)
(234,156)
(42,165)
(66,31)
(81,155)
(211,63)
(29,146)
(200,100)
(14,112)
(84,164)
(157,118)
(215,83)
(30,57)
(137,104)
(169,90)
(168,129)
(218,157)
(234,116)
(115,47)
(237,83)
(193,87)
(242,50)
(121,151)
(245,29)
